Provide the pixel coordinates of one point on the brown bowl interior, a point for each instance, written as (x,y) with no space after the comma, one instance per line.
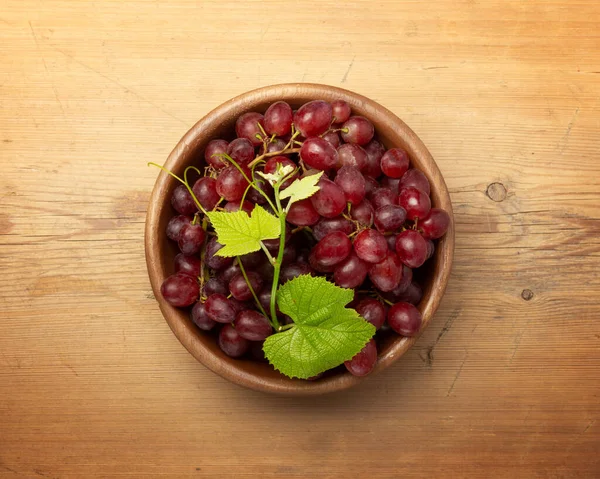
(160,252)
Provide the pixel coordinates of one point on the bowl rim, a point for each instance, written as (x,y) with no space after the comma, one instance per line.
(241,103)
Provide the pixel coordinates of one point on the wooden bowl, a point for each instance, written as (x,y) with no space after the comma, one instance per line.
(390,130)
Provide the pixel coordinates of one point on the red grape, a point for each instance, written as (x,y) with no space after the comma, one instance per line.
(329,201)
(274,146)
(278,119)
(375,151)
(205,190)
(294,270)
(364,362)
(430,249)
(352,182)
(240,290)
(303,213)
(416,179)
(416,202)
(332,249)
(214,285)
(212,153)
(231,343)
(183,202)
(350,154)
(370,185)
(386,275)
(231,206)
(241,150)
(213,260)
(395,162)
(363,213)
(391,183)
(189,265)
(341,111)
(412,294)
(247,127)
(405,319)
(360,130)
(200,318)
(180,290)
(351,272)
(313,118)
(191,239)
(252,325)
(389,218)
(383,196)
(220,309)
(175,224)
(327,225)
(333,138)
(228,271)
(370,246)
(435,224)
(372,311)
(231,184)
(411,248)
(319,154)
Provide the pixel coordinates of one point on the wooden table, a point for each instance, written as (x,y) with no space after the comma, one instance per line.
(506,380)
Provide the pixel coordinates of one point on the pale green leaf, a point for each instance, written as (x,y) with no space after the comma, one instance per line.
(301,189)
(324,334)
(240,233)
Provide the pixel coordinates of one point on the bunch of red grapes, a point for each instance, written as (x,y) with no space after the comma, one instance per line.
(368,227)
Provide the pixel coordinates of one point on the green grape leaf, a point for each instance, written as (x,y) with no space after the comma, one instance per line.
(324,333)
(240,233)
(301,189)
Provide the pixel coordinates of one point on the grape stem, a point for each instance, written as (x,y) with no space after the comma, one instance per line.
(243,270)
(184,182)
(286,150)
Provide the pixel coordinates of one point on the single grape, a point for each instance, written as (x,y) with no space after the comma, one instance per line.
(332,249)
(189,265)
(294,270)
(220,309)
(351,272)
(302,256)
(371,184)
(191,239)
(212,260)
(329,201)
(387,274)
(175,224)
(319,154)
(395,162)
(383,196)
(241,150)
(398,292)
(352,182)
(363,213)
(183,202)
(213,152)
(372,311)
(252,325)
(416,179)
(231,184)
(430,249)
(200,318)
(247,127)
(214,285)
(333,138)
(231,343)
(370,246)
(405,319)
(180,290)
(278,119)
(341,111)
(313,118)
(389,218)
(435,224)
(375,151)
(411,248)
(240,290)
(229,271)
(302,213)
(350,154)
(271,167)
(359,130)
(232,206)
(391,184)
(412,294)
(318,265)
(205,190)
(264,297)
(274,146)
(416,202)
(327,225)
(255,196)
(364,362)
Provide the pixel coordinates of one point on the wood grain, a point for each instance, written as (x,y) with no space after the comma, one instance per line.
(505,380)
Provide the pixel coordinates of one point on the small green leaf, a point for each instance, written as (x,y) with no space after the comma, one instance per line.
(240,233)
(324,334)
(301,189)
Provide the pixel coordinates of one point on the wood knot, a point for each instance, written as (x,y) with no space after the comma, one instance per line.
(496,192)
(527,294)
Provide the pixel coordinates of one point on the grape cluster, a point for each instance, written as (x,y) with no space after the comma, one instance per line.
(368,227)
